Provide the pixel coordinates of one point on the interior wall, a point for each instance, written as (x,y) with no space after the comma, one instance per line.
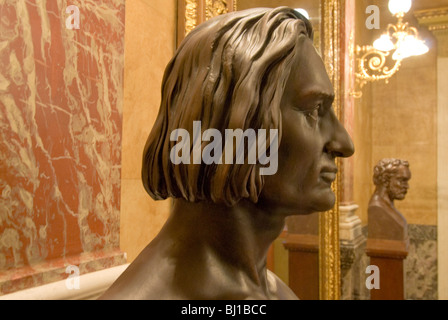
(405,126)
(399,121)
(362,137)
(443,175)
(61,94)
(149,45)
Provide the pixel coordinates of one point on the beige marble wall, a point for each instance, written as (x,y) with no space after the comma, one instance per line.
(443,177)
(404,125)
(362,137)
(149,45)
(398,120)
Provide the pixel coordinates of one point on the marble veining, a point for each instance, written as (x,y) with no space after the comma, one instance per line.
(420,266)
(61,93)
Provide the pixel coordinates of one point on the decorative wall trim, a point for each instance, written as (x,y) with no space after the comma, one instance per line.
(191,15)
(436,20)
(91,286)
(215,8)
(193,12)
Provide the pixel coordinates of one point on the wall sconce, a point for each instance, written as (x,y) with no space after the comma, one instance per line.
(399,42)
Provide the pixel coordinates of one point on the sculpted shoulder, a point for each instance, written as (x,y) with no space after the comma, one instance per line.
(140,282)
(279,288)
(147,278)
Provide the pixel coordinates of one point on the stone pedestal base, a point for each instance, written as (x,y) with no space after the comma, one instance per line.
(350,228)
(353,259)
(353,266)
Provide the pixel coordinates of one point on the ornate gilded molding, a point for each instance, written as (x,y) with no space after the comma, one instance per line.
(329,254)
(436,20)
(191,15)
(193,12)
(215,8)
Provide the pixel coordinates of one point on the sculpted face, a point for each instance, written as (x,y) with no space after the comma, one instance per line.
(312,137)
(398,184)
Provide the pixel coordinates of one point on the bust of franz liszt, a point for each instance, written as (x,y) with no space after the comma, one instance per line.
(245,136)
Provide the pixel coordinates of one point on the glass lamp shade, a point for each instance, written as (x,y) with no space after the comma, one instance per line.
(420,48)
(384,43)
(303,12)
(399,6)
(411,46)
(401,54)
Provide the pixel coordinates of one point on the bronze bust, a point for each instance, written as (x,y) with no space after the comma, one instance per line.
(254,69)
(391,177)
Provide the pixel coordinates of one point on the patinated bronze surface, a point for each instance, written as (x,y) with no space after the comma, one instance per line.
(252,69)
(391,177)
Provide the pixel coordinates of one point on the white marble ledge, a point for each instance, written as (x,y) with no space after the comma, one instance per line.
(91,286)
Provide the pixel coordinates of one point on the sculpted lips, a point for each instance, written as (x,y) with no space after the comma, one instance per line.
(329,174)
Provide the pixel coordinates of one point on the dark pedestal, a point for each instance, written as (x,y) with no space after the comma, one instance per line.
(303,253)
(388,256)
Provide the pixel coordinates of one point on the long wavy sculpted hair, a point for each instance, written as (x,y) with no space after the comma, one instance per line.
(229,73)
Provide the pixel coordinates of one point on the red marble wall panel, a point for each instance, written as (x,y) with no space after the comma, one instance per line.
(61,92)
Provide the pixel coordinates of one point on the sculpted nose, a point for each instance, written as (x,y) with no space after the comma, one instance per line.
(340,143)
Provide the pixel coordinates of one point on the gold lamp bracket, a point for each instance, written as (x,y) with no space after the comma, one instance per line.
(382,60)
(373,65)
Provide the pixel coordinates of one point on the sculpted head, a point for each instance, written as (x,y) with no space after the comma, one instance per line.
(392,176)
(248,70)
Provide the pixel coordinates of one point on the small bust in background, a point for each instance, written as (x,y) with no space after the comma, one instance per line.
(391,177)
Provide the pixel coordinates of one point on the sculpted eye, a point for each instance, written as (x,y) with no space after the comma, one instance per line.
(312,115)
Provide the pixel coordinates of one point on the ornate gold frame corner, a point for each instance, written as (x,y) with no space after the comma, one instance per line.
(333,12)
(193,12)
